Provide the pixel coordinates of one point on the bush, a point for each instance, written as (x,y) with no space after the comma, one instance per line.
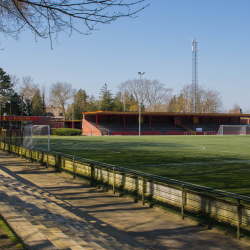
(66,131)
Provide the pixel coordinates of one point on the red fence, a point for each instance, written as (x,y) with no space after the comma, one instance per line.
(135,133)
(212,132)
(179,133)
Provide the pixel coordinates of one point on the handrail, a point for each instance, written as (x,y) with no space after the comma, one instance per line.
(152,176)
(183,187)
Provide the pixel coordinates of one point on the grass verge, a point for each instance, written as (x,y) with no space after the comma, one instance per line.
(8,240)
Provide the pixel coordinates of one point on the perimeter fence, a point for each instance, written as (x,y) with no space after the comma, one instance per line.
(212,206)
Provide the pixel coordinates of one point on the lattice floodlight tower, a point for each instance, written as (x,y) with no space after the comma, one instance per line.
(234,130)
(195,49)
(36,136)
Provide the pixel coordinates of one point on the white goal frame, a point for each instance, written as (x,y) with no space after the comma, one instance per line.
(32,130)
(234,130)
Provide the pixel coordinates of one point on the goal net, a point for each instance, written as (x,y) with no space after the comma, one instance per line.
(36,136)
(234,130)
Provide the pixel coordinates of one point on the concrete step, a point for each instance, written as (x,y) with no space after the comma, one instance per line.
(43,222)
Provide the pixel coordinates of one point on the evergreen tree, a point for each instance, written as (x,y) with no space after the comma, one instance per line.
(15,101)
(43,104)
(105,99)
(6,87)
(28,107)
(118,102)
(122,100)
(37,104)
(80,104)
(8,96)
(172,104)
(93,104)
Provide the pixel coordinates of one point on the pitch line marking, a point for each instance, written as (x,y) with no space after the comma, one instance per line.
(190,163)
(98,149)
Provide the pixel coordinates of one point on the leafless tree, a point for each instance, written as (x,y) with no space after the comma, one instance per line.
(208,100)
(151,93)
(28,88)
(15,81)
(157,96)
(236,109)
(136,88)
(49,17)
(247,111)
(60,94)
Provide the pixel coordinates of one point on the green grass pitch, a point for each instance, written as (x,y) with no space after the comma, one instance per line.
(221,162)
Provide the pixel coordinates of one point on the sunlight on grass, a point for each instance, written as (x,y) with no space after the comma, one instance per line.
(214,161)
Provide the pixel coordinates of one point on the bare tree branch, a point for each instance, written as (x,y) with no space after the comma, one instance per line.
(60,93)
(152,94)
(49,17)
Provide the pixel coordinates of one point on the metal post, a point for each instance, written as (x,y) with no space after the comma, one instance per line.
(16,146)
(92,173)
(22,130)
(238,218)
(73,118)
(10,130)
(124,101)
(139,119)
(37,157)
(113,180)
(1,122)
(74,171)
(31,135)
(140,102)
(143,190)
(182,201)
(59,163)
(48,137)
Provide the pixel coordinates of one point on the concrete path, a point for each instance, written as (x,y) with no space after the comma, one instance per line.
(49,210)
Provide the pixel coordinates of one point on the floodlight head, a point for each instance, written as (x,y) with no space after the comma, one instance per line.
(143,73)
(139,73)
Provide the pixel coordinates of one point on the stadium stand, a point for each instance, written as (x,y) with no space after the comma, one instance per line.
(154,123)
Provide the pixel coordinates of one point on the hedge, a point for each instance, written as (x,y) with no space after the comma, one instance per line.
(66,131)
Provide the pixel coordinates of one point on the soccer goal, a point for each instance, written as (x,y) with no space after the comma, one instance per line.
(234,130)
(36,136)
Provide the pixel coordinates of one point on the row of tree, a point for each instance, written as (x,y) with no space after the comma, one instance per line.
(151,95)
(13,94)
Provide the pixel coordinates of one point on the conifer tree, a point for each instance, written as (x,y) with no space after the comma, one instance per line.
(6,87)
(106,100)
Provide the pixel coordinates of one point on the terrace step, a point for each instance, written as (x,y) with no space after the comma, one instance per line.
(43,221)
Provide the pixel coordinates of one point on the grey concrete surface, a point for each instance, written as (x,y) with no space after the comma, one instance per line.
(54,211)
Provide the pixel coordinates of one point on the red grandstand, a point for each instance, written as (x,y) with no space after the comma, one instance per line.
(156,123)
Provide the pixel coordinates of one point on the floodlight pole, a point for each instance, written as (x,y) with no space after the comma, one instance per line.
(73,118)
(140,103)
(10,129)
(124,101)
(0,122)
(22,129)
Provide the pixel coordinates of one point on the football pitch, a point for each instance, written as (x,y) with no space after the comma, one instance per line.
(221,162)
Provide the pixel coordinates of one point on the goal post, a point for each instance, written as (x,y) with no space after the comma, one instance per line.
(36,136)
(234,130)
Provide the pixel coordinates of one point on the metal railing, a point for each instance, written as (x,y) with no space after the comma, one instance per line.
(184,197)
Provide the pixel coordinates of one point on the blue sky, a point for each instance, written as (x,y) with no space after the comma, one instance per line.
(157,42)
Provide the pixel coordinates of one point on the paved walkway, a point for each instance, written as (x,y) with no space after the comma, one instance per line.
(49,210)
